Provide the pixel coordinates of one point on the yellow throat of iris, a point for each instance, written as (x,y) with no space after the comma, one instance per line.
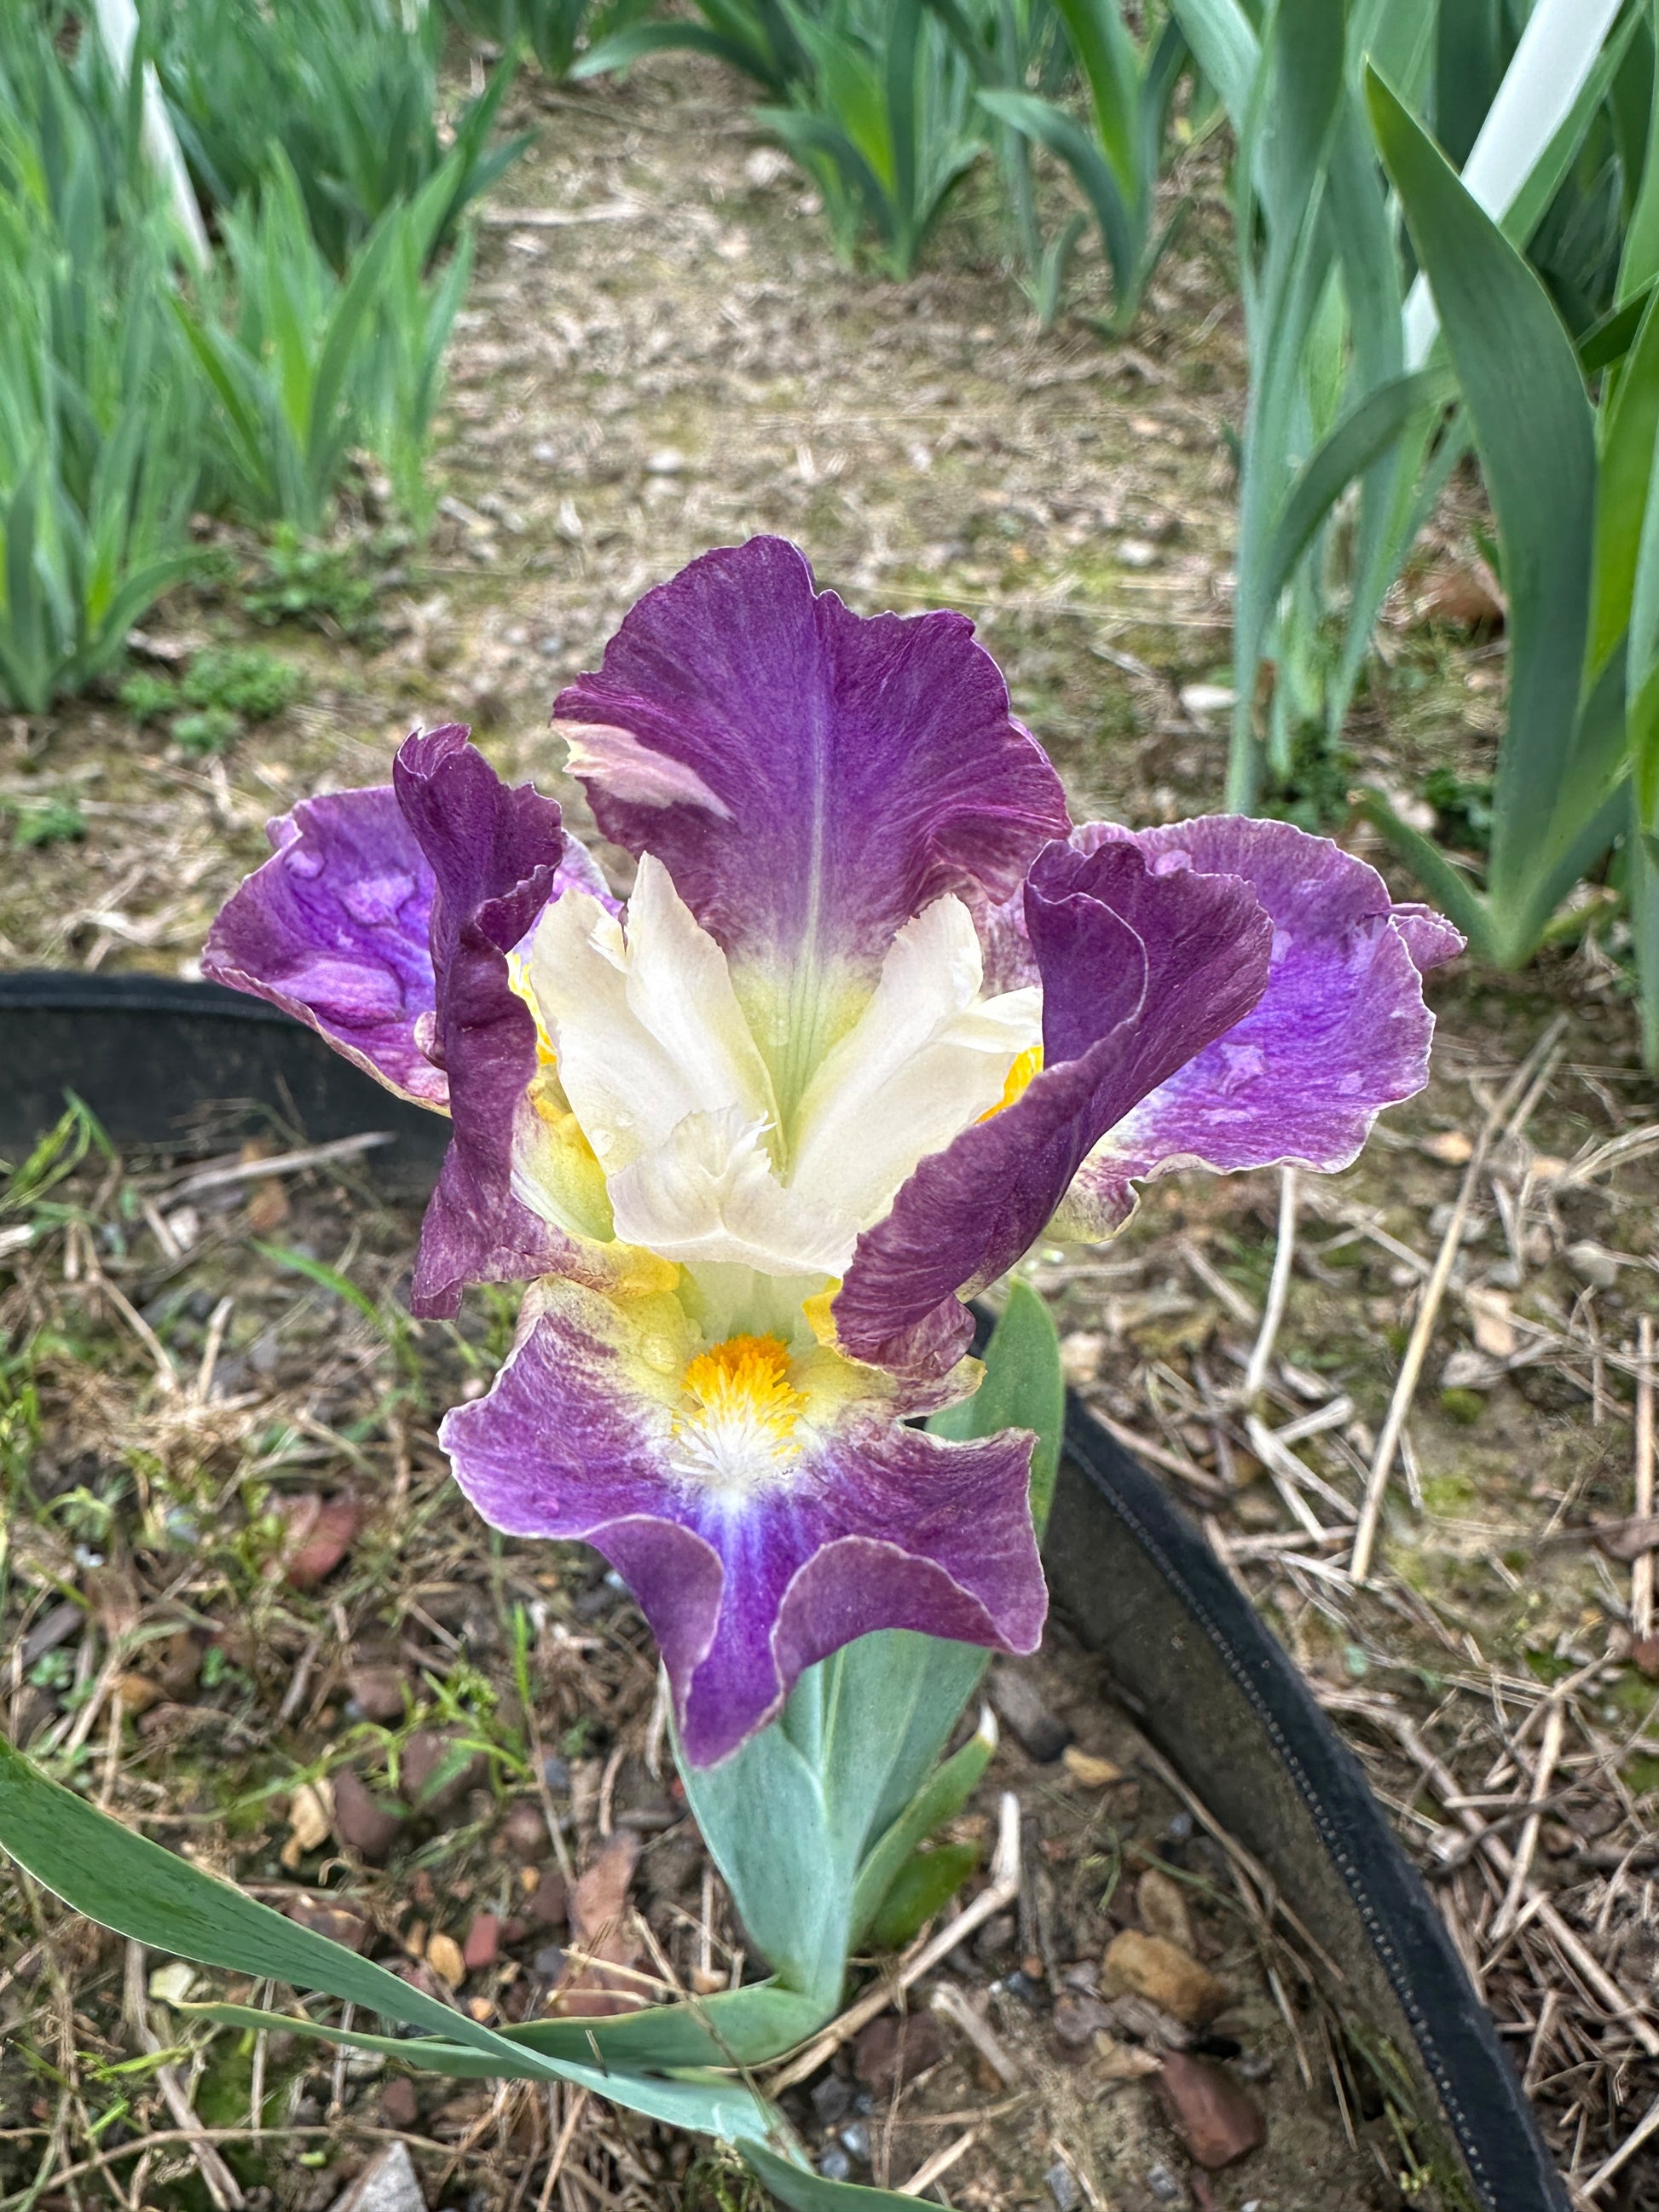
(739,1428)
(1029,1063)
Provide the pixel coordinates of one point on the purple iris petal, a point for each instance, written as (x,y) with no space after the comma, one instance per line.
(494,853)
(1340,1031)
(1140,971)
(873,1526)
(804,772)
(1430,938)
(334,929)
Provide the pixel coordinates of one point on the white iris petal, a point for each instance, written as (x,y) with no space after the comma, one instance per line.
(663,1073)
(925,1058)
(647,1026)
(710,1193)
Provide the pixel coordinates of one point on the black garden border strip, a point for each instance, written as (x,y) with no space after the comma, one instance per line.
(1209,1684)
(1221,1698)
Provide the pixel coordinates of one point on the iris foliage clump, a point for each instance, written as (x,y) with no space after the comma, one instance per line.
(145,378)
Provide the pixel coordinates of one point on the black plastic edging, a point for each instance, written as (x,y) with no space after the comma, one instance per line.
(71,991)
(1495,2128)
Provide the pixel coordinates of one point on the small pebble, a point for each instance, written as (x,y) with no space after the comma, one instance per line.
(378,1692)
(831,2100)
(483,1941)
(361,1821)
(524,1832)
(337,1921)
(1062,2185)
(1148,1966)
(1079,2020)
(399,2108)
(1164,2185)
(1592,1264)
(1020,1702)
(1163,1906)
(834,2164)
(1214,2117)
(892,2049)
(855,2136)
(436,1771)
(445,1957)
(1092,1772)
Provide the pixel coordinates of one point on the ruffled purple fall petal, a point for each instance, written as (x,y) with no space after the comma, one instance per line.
(875,1526)
(1340,1031)
(1430,938)
(811,779)
(1141,971)
(494,855)
(335,930)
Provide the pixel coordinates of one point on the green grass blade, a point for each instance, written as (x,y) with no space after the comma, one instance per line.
(1225,47)
(1368,430)
(1063,136)
(1642,885)
(940,1800)
(1629,428)
(423,2053)
(641,38)
(142,1892)
(799,2190)
(1111,68)
(1533,426)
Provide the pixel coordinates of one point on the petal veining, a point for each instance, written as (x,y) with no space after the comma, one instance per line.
(811,777)
(927,1057)
(764,1507)
(644,1020)
(709,1194)
(335,929)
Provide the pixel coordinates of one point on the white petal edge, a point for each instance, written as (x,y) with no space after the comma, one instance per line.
(645,1022)
(922,1061)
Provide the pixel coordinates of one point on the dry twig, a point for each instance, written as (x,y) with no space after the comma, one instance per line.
(1428,1310)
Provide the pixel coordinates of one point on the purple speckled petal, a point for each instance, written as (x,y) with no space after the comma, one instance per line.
(1340,1031)
(875,1526)
(494,853)
(334,929)
(1140,972)
(803,772)
(1430,938)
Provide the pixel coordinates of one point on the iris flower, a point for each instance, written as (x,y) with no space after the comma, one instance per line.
(873,1018)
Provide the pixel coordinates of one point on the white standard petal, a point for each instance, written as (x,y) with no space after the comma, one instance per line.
(922,1061)
(646,1024)
(710,1194)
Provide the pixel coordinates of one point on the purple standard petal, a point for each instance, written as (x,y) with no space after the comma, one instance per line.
(1140,971)
(811,779)
(494,855)
(872,1525)
(335,930)
(1340,1031)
